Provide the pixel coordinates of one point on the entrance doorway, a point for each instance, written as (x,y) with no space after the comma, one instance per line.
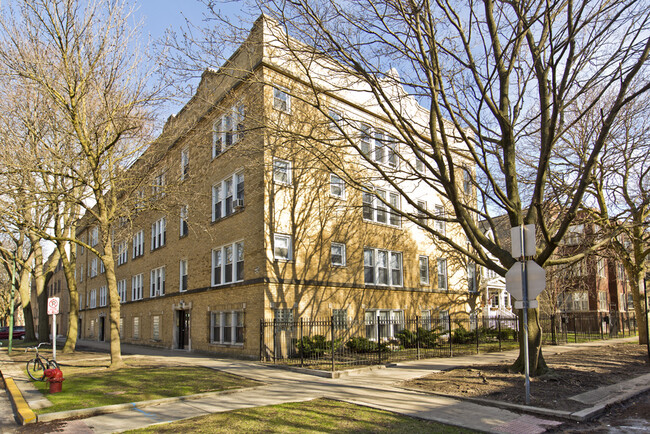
(79,328)
(183,329)
(102,324)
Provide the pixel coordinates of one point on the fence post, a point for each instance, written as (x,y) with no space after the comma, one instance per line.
(301,346)
(553,331)
(275,339)
(575,329)
(600,324)
(379,339)
(417,337)
(499,330)
(262,355)
(451,348)
(332,332)
(477,336)
(620,321)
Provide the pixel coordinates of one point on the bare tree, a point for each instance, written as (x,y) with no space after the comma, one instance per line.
(84,60)
(496,79)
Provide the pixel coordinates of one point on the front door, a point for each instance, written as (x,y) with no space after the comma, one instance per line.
(102,323)
(183,327)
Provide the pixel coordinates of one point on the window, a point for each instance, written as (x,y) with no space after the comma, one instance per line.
(227,327)
(337,186)
(183,275)
(382,267)
(575,301)
(121,290)
(340,319)
(158,233)
(335,120)
(467,181)
(94,236)
(81,273)
(137,283)
(471,277)
(103,293)
(228,264)
(80,247)
(422,212)
(419,164)
(158,186)
(383,324)
(337,254)
(284,319)
(121,327)
(424,270)
(602,301)
(228,129)
(185,163)
(281,171)
(183,229)
(155,327)
(81,301)
(138,244)
(442,274)
(600,267)
(445,320)
(228,196)
(440,225)
(630,302)
(378,146)
(281,99)
(136,327)
(102,268)
(92,299)
(92,270)
(425,319)
(122,254)
(282,248)
(574,234)
(157,284)
(375,209)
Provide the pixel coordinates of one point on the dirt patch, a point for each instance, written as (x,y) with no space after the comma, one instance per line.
(571,373)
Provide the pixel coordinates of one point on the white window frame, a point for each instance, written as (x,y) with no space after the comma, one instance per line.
(102,267)
(136,327)
(472,282)
(221,262)
(182,270)
(342,254)
(158,186)
(394,323)
(138,244)
(155,327)
(281,99)
(158,232)
(157,282)
(443,275)
(440,225)
(121,290)
(92,299)
(378,146)
(81,247)
(122,253)
(337,183)
(282,167)
(371,261)
(278,237)
(94,236)
(228,129)
(228,196)
(185,163)
(376,211)
(92,269)
(236,323)
(137,286)
(103,296)
(183,227)
(423,265)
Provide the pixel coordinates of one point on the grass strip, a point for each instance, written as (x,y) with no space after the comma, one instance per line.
(319,415)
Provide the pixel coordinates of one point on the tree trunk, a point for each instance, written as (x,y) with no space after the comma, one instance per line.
(114,303)
(537,365)
(639,308)
(24,287)
(73,296)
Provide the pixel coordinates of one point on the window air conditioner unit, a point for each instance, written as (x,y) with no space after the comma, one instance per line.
(238,203)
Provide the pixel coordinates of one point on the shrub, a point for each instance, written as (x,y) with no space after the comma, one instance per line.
(364,345)
(312,346)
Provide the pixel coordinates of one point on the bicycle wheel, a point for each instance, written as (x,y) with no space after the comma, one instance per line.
(52,364)
(36,370)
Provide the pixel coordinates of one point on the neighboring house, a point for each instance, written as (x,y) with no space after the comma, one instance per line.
(262,225)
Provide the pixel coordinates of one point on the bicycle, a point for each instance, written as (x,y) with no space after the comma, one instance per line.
(36,366)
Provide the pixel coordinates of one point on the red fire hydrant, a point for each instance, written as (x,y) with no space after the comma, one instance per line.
(55,378)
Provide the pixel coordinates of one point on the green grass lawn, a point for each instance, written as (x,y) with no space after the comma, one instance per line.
(320,415)
(87,387)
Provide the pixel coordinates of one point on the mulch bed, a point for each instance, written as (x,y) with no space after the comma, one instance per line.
(571,373)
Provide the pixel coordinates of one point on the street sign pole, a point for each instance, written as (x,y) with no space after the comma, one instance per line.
(524,279)
(53,309)
(11,306)
(54,337)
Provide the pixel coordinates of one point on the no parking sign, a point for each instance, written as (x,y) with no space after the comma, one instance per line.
(53,306)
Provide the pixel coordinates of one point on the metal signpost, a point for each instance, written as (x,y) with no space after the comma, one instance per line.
(525,281)
(53,309)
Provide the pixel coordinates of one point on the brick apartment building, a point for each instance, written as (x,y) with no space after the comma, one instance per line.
(249,214)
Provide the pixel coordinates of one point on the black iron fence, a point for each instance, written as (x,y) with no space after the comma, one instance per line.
(333,343)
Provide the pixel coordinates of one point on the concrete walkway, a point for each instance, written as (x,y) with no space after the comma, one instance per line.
(374,388)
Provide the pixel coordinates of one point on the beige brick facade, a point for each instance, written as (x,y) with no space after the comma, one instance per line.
(292,204)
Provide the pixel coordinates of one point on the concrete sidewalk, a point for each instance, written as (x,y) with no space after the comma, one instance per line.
(374,388)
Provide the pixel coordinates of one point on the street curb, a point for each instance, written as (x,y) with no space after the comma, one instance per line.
(330,374)
(579,416)
(107,409)
(25,414)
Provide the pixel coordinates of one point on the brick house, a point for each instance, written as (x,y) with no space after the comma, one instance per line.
(249,214)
